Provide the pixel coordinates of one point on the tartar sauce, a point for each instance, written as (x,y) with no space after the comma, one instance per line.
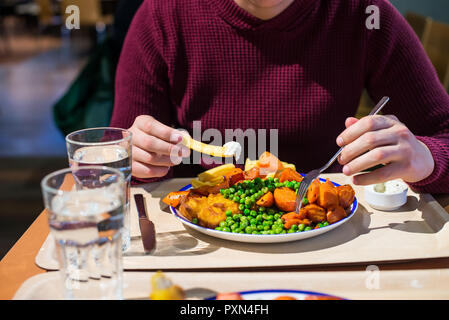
(390,187)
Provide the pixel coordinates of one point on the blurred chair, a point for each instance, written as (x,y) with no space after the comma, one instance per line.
(420,24)
(436,43)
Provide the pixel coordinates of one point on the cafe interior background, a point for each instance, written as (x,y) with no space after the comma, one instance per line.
(47,71)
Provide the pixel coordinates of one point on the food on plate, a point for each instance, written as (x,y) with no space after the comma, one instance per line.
(328,195)
(285,199)
(258,200)
(163,288)
(346,195)
(319,297)
(285,298)
(208,211)
(229,296)
(174,198)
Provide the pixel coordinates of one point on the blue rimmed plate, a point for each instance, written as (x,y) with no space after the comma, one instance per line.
(275,293)
(265,238)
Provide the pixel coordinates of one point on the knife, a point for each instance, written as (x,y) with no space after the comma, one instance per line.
(147,230)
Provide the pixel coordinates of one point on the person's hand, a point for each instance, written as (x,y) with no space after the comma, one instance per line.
(156,148)
(376,140)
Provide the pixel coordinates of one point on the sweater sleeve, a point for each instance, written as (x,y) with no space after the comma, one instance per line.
(398,66)
(141,85)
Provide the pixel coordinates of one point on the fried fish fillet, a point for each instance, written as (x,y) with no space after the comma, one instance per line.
(209,211)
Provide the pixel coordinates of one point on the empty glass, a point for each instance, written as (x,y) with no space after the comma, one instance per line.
(109,147)
(85,208)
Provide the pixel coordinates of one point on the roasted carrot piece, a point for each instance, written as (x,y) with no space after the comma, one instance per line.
(346,195)
(285,199)
(252,173)
(315,213)
(269,162)
(328,195)
(229,296)
(292,218)
(266,200)
(174,198)
(335,214)
(313,193)
(285,298)
(288,174)
(234,176)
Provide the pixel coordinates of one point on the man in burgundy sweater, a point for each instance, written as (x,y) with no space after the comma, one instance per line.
(299,66)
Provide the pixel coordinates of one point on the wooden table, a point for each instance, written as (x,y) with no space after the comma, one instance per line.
(18,265)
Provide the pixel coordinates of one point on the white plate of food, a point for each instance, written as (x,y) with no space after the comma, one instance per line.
(274,294)
(256,205)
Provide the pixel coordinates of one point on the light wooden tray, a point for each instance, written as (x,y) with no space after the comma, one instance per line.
(418,230)
(357,285)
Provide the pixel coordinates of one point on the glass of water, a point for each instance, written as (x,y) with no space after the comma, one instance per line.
(109,147)
(85,208)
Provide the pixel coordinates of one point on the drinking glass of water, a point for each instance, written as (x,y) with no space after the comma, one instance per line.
(109,147)
(85,209)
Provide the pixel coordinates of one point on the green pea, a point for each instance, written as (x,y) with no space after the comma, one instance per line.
(236,217)
(231,190)
(253,213)
(270,217)
(278,184)
(248,229)
(226,229)
(228,213)
(271,211)
(266,228)
(259,218)
(308,229)
(241,207)
(294,227)
(219,228)
(236,199)
(195,220)
(278,230)
(242,201)
(243,224)
(325,224)
(222,191)
(239,193)
(222,224)
(291,231)
(276,180)
(260,227)
(301,227)
(276,216)
(305,201)
(279,221)
(246,211)
(255,232)
(262,209)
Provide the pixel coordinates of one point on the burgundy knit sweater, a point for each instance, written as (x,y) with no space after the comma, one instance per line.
(302,72)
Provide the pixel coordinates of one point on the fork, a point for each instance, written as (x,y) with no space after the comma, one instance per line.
(312,175)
